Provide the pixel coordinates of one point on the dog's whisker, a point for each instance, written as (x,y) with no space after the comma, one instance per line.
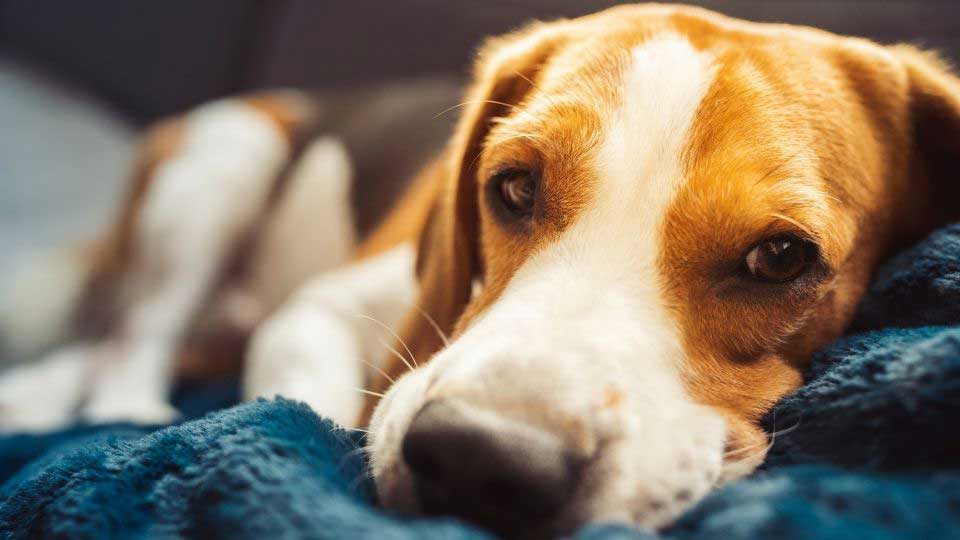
(362,476)
(474,161)
(457,106)
(380,371)
(433,323)
(747,461)
(395,334)
(478,101)
(396,353)
(774,434)
(773,437)
(348,456)
(369,393)
(536,86)
(742,449)
(785,430)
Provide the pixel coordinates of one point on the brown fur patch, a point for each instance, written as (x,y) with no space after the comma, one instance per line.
(290,111)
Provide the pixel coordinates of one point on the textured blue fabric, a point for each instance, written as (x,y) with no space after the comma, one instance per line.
(868,448)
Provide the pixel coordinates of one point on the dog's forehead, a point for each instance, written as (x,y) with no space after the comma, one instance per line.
(611,128)
(608,119)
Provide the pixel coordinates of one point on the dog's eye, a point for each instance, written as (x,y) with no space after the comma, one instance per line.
(780,259)
(517,189)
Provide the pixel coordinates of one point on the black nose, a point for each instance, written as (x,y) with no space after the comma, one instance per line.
(497,473)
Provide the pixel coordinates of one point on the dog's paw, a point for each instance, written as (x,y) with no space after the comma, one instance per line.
(309,354)
(129,408)
(31,416)
(44,395)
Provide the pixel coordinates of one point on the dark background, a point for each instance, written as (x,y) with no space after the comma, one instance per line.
(151,58)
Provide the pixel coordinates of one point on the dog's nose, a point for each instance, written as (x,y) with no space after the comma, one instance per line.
(494,472)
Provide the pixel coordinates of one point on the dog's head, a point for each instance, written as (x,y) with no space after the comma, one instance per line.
(646,223)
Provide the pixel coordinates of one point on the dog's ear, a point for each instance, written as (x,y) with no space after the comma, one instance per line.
(448,260)
(934,120)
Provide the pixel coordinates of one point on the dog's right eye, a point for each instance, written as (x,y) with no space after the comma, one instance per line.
(780,259)
(517,189)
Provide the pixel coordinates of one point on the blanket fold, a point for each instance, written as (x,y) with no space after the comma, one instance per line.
(868,448)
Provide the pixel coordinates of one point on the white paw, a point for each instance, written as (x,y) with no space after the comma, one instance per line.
(307,354)
(132,408)
(32,417)
(131,384)
(44,395)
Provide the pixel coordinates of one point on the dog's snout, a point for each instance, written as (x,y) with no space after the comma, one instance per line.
(493,471)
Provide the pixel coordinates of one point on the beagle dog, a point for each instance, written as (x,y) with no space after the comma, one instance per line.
(645,223)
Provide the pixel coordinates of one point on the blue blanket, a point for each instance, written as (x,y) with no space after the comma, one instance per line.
(869,449)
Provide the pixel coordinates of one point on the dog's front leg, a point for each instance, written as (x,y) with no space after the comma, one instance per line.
(321,345)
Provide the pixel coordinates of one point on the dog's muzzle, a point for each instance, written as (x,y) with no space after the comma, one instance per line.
(495,472)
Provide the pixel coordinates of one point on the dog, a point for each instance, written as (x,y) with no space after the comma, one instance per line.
(644,224)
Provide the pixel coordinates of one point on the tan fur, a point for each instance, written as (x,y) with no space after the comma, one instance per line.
(290,111)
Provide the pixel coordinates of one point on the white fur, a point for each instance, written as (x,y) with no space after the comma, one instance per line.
(315,348)
(584,318)
(37,300)
(311,229)
(43,395)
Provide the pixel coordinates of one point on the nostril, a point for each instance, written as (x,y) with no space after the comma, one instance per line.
(495,472)
(434,440)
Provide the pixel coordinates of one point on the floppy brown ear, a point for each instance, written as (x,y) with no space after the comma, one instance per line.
(934,110)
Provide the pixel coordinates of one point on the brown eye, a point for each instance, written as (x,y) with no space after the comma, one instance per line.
(517,190)
(780,259)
